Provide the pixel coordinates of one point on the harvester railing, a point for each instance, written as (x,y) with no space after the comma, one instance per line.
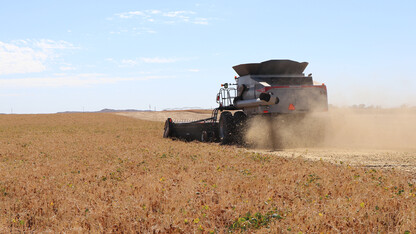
(226,96)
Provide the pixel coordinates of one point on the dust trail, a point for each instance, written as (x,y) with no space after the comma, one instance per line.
(340,128)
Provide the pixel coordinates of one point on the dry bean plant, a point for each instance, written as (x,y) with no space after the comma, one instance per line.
(109,173)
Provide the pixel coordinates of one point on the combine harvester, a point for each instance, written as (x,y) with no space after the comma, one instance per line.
(274,88)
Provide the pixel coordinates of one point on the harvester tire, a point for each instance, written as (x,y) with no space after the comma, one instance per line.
(240,121)
(168,129)
(226,128)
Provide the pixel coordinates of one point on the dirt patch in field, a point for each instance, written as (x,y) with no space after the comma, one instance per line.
(384,138)
(383,159)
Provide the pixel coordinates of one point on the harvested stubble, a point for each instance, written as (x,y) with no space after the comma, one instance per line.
(103,172)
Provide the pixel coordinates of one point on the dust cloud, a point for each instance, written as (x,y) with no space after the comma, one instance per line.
(348,128)
(371,137)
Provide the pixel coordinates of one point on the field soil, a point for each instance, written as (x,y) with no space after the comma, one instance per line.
(377,138)
(107,173)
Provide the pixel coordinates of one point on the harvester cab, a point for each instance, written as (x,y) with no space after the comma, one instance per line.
(274,87)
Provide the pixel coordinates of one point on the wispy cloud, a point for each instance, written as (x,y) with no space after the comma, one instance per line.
(46,44)
(77,80)
(16,59)
(129,62)
(29,56)
(160,60)
(11,94)
(66,68)
(193,70)
(146,60)
(163,17)
(203,21)
(130,14)
(179,14)
(135,30)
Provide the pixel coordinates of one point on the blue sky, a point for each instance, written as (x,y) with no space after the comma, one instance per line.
(89,55)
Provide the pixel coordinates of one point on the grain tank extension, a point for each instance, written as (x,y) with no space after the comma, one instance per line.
(270,88)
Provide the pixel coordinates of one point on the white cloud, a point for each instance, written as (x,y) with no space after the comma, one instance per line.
(137,61)
(130,14)
(193,70)
(65,80)
(67,68)
(15,59)
(164,17)
(29,56)
(203,21)
(135,30)
(10,94)
(155,11)
(178,14)
(129,62)
(159,60)
(46,44)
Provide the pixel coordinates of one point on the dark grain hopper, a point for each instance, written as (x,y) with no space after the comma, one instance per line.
(271,67)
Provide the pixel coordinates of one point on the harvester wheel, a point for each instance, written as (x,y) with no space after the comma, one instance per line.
(168,128)
(240,120)
(226,128)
